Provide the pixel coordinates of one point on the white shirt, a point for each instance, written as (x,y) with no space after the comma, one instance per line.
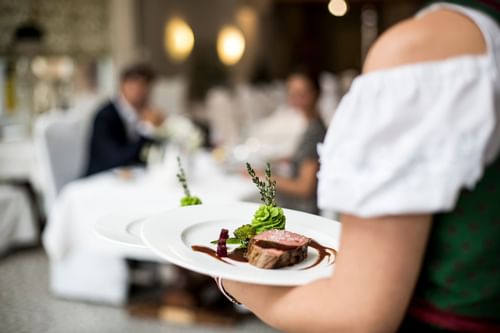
(130,116)
(409,139)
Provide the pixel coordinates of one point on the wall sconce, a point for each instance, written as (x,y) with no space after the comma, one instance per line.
(179,39)
(230,45)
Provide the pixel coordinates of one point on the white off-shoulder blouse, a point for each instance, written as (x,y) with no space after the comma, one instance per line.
(409,139)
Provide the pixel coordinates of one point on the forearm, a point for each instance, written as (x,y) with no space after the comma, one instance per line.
(287,308)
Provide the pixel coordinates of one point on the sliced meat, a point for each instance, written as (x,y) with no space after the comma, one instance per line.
(277,248)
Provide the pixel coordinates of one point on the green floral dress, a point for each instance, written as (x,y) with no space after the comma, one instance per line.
(460,280)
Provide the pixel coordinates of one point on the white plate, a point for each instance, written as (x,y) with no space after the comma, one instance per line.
(171,235)
(123,228)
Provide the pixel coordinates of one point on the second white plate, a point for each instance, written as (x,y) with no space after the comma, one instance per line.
(123,228)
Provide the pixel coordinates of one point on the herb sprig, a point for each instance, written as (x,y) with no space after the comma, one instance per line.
(267,188)
(268,216)
(181,176)
(188,199)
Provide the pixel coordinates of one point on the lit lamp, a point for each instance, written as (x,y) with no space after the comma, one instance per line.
(230,45)
(338,7)
(179,39)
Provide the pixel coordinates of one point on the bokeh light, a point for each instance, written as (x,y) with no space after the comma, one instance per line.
(179,39)
(230,45)
(338,7)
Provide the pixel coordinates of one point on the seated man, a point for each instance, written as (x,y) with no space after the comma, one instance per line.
(119,134)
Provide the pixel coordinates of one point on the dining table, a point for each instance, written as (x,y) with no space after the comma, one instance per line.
(87,267)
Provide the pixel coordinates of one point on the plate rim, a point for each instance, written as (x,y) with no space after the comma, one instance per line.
(100,229)
(175,257)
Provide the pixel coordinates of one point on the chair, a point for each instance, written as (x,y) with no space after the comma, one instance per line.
(61,141)
(170,95)
(222,117)
(17,223)
(61,145)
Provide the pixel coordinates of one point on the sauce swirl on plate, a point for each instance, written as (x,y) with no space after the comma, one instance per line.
(239,254)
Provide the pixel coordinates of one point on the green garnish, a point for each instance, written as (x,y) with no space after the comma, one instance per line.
(230,241)
(244,233)
(266,189)
(188,199)
(267,217)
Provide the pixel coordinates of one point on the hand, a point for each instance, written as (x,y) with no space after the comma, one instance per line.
(152,116)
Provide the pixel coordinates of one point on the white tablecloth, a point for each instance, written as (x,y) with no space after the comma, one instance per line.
(69,232)
(82,203)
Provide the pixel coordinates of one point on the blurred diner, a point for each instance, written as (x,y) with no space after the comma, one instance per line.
(122,127)
(297,190)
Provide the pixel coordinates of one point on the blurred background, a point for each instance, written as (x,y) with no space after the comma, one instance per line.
(223,87)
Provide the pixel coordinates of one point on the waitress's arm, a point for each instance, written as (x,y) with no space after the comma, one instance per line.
(375,275)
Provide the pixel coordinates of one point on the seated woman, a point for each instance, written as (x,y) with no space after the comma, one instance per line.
(412,162)
(299,190)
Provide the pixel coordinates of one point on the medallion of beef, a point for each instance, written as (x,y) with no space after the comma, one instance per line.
(277,248)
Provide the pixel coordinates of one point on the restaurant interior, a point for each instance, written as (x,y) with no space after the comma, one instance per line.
(219,94)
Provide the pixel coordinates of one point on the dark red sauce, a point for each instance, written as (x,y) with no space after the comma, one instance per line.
(209,251)
(322,253)
(273,245)
(239,254)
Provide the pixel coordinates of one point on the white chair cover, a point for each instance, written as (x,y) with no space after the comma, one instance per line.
(61,145)
(255,103)
(222,117)
(329,97)
(61,141)
(170,95)
(277,141)
(17,223)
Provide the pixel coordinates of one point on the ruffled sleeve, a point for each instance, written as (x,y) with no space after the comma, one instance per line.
(407,140)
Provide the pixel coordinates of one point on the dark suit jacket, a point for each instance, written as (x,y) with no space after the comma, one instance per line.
(110,146)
